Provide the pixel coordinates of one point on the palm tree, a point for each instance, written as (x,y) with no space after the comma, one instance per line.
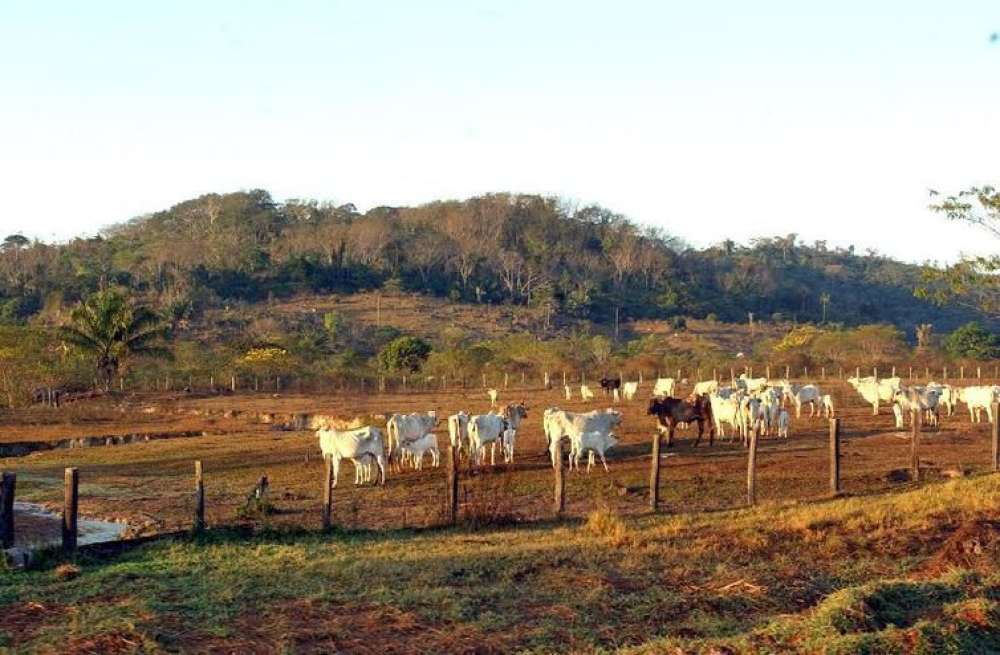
(824,300)
(924,333)
(111,329)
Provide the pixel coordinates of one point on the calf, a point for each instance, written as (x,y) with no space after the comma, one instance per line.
(558,423)
(783,421)
(629,389)
(569,392)
(705,388)
(403,428)
(828,406)
(664,387)
(586,393)
(493,394)
(592,442)
(415,450)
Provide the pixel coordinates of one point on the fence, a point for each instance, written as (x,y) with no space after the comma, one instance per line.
(452,476)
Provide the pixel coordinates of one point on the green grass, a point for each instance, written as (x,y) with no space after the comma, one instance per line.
(839,576)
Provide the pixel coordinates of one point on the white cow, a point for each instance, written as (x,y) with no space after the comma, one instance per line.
(403,428)
(705,387)
(355,445)
(558,423)
(751,384)
(828,406)
(629,390)
(978,399)
(569,392)
(512,415)
(663,387)
(876,391)
(493,394)
(586,393)
(590,442)
(725,410)
(458,430)
(414,450)
(485,429)
(783,422)
(770,409)
(916,399)
(808,393)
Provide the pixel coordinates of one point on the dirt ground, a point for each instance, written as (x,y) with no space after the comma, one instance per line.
(150,484)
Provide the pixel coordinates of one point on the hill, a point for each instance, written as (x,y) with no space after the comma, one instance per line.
(555,263)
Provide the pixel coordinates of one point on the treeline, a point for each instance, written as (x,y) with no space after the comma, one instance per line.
(568,262)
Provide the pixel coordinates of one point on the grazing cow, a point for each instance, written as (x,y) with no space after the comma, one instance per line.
(403,428)
(569,392)
(705,387)
(783,421)
(590,442)
(485,429)
(586,393)
(493,394)
(978,399)
(558,423)
(355,445)
(414,450)
(609,385)
(808,393)
(629,390)
(828,406)
(725,410)
(458,430)
(670,412)
(664,387)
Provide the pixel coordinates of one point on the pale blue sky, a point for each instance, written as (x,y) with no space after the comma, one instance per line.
(711,119)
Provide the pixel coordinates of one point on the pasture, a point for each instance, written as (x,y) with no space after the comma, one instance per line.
(510,577)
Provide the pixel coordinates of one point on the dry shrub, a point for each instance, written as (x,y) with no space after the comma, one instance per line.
(67,571)
(604,523)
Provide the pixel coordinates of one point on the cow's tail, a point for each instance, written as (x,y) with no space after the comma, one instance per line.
(392,432)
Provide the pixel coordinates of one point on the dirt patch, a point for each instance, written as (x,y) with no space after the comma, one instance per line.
(22,621)
(975,545)
(111,642)
(305,626)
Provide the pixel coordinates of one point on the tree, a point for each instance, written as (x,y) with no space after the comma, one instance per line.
(973,281)
(111,330)
(824,301)
(405,354)
(972,340)
(924,332)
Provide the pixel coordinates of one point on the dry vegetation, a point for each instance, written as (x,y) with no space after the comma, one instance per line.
(701,575)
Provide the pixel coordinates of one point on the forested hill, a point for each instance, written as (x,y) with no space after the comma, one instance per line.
(567,262)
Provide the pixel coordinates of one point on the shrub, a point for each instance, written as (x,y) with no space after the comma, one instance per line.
(404,354)
(972,340)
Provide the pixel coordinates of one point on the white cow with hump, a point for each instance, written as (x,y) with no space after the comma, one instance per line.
(664,387)
(875,391)
(403,428)
(558,424)
(458,430)
(978,399)
(356,445)
(485,429)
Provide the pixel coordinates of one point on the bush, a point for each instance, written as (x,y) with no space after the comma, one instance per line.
(678,323)
(972,340)
(405,354)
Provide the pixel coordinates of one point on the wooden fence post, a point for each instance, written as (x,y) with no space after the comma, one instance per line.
(71,501)
(752,470)
(199,496)
(835,456)
(452,485)
(787,372)
(484,380)
(654,473)
(7,484)
(232,383)
(979,372)
(767,371)
(327,491)
(915,417)
(564,378)
(505,379)
(911,374)
(857,371)
(995,431)
(822,372)
(560,488)
(961,372)
(944,375)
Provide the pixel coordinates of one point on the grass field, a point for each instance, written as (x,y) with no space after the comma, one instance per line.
(797,573)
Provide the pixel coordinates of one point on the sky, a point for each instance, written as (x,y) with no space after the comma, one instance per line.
(711,119)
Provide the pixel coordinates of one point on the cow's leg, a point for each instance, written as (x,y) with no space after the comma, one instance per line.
(493,453)
(701,430)
(604,461)
(336,469)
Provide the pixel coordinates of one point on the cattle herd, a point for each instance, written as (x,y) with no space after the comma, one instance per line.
(746,407)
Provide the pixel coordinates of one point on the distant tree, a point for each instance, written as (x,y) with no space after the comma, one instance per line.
(404,354)
(824,301)
(924,332)
(111,330)
(974,341)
